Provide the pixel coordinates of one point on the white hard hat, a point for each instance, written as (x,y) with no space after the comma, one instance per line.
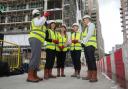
(35,11)
(51,21)
(75,24)
(64,25)
(87,16)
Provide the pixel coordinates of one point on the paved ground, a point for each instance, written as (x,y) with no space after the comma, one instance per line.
(18,82)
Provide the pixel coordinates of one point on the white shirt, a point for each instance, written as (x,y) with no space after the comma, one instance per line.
(91,28)
(39,21)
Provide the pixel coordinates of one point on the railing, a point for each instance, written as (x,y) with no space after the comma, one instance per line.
(10,53)
(115,65)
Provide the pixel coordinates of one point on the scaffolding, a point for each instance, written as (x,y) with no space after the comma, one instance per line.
(10,53)
(16,14)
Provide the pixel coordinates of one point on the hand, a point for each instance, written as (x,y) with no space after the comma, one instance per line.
(46,14)
(61,47)
(55,41)
(74,41)
(82,45)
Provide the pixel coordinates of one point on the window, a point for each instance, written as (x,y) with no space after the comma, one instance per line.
(127,22)
(126,26)
(127,31)
(126,17)
(55,15)
(2,19)
(35,4)
(126,13)
(54,4)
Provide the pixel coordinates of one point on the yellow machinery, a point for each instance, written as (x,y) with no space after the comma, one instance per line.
(10,53)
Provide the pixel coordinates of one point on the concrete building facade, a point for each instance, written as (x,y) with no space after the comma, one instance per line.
(124,18)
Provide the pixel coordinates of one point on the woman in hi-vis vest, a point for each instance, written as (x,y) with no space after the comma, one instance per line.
(36,39)
(52,42)
(75,49)
(62,49)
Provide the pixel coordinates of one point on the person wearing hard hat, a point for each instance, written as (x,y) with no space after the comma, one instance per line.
(36,39)
(89,44)
(61,51)
(75,49)
(52,42)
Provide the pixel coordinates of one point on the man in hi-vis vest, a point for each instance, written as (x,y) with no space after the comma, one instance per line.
(36,39)
(89,44)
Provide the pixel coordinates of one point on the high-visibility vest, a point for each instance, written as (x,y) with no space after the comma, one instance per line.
(37,32)
(92,41)
(75,36)
(62,41)
(54,36)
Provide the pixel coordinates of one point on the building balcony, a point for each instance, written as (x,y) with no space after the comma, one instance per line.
(121,17)
(122,25)
(121,9)
(121,12)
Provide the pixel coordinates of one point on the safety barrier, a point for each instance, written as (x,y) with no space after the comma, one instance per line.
(10,53)
(115,66)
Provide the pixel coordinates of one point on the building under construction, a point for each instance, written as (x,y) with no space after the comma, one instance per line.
(16,16)
(124,17)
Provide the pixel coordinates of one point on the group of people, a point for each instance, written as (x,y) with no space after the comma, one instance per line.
(57,44)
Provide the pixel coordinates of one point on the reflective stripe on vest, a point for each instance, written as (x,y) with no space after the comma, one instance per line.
(37,32)
(54,36)
(92,41)
(76,46)
(62,41)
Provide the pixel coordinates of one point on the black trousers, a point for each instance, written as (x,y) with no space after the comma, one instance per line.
(89,52)
(50,58)
(76,54)
(61,57)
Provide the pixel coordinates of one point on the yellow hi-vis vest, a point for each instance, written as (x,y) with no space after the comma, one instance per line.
(62,41)
(37,32)
(92,41)
(75,36)
(54,36)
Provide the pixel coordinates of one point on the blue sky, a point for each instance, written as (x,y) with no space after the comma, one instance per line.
(110,23)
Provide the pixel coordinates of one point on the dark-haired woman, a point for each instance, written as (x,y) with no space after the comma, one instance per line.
(62,49)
